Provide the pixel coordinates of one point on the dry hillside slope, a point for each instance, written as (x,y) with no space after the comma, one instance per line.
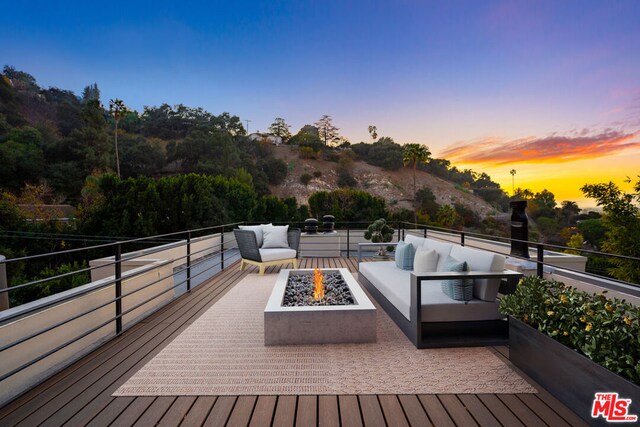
(396,187)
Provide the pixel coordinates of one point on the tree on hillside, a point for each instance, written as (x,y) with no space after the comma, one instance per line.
(280,128)
(622,220)
(513,180)
(373,131)
(327,132)
(118,110)
(91,93)
(415,153)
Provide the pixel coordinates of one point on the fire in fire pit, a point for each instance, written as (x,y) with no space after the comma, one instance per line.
(304,289)
(318,289)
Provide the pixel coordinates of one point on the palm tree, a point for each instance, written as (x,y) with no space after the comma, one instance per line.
(513,180)
(118,110)
(414,153)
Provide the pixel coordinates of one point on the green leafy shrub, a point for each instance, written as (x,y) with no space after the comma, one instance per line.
(605,330)
(305,178)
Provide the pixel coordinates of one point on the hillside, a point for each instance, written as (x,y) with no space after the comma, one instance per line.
(396,187)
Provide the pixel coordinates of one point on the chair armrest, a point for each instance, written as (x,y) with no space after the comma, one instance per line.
(247,244)
(375,245)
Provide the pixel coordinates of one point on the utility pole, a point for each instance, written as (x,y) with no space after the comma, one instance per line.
(247,121)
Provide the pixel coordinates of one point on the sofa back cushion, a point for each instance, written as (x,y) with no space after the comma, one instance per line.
(425,261)
(457,289)
(443,249)
(404,256)
(478,260)
(416,241)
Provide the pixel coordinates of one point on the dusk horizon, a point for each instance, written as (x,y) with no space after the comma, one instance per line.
(550,90)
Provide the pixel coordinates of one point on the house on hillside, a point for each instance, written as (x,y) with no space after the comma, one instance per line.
(268,137)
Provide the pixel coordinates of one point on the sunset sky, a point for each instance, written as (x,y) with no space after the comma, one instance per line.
(549,88)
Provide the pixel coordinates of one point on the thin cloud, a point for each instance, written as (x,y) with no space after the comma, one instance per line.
(554,148)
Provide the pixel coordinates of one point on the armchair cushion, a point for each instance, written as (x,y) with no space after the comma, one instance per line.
(275,236)
(274,254)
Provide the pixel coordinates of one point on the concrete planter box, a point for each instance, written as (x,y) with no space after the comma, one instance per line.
(568,375)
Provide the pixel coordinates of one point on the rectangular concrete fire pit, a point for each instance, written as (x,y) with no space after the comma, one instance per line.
(330,324)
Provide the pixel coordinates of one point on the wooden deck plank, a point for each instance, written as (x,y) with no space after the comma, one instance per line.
(285,414)
(242,411)
(111,412)
(177,411)
(456,410)
(371,410)
(133,412)
(414,411)
(435,411)
(306,412)
(152,415)
(350,411)
(392,410)
(477,409)
(263,411)
(199,411)
(221,411)
(328,415)
(520,410)
(499,410)
(547,414)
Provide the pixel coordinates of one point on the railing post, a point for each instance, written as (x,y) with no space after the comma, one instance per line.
(425,231)
(188,261)
(222,249)
(540,263)
(348,243)
(462,238)
(403,231)
(4,296)
(399,231)
(118,283)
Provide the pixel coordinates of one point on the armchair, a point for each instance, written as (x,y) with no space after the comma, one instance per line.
(252,254)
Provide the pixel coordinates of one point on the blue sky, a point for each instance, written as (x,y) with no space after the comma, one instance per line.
(436,73)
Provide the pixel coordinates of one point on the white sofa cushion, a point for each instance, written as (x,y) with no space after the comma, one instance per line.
(478,260)
(425,260)
(275,236)
(257,229)
(443,249)
(395,285)
(416,241)
(274,254)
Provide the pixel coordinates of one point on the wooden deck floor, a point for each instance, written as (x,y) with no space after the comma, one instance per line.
(81,394)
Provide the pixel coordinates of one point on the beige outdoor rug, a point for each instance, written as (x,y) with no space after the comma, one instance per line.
(223,353)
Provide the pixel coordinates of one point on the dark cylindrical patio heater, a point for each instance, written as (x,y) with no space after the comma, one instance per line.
(328,222)
(519,228)
(311,226)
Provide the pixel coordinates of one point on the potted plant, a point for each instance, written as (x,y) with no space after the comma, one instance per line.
(575,344)
(380,232)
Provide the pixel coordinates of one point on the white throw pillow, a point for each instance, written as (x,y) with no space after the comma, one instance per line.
(275,236)
(425,260)
(257,230)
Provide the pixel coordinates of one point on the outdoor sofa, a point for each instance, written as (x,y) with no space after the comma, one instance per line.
(422,310)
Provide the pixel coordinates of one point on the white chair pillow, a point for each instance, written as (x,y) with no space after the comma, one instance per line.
(425,260)
(275,236)
(257,230)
